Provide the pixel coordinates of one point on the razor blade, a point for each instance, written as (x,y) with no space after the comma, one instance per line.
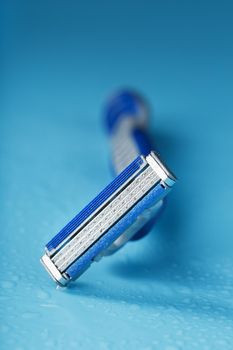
(122,207)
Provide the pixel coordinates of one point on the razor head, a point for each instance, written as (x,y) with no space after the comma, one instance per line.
(109,220)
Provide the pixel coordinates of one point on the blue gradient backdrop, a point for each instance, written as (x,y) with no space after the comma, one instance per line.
(172,290)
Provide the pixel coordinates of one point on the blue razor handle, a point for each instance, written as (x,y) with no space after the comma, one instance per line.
(122,210)
(126,118)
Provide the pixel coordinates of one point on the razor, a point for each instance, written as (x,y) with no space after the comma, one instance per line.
(125,209)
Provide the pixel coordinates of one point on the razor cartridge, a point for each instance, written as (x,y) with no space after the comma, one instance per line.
(125,209)
(122,207)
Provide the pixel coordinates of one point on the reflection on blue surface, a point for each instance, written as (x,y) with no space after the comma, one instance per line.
(173,289)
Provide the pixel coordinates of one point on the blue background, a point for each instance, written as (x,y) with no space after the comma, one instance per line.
(172,290)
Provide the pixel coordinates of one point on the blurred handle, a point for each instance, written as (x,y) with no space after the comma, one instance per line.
(126,117)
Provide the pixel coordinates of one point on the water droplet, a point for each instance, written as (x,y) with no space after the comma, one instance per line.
(29,315)
(42,294)
(4,328)
(6,284)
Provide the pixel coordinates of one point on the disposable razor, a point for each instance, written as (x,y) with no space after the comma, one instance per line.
(124,208)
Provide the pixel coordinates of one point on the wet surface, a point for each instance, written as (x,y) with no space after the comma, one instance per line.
(171,290)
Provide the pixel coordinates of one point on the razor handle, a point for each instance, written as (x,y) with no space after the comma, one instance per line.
(127,124)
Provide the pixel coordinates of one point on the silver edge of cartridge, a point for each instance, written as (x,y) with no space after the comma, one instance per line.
(165,175)
(53,271)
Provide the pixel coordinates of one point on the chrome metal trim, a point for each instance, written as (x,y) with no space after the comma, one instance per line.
(53,271)
(161,170)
